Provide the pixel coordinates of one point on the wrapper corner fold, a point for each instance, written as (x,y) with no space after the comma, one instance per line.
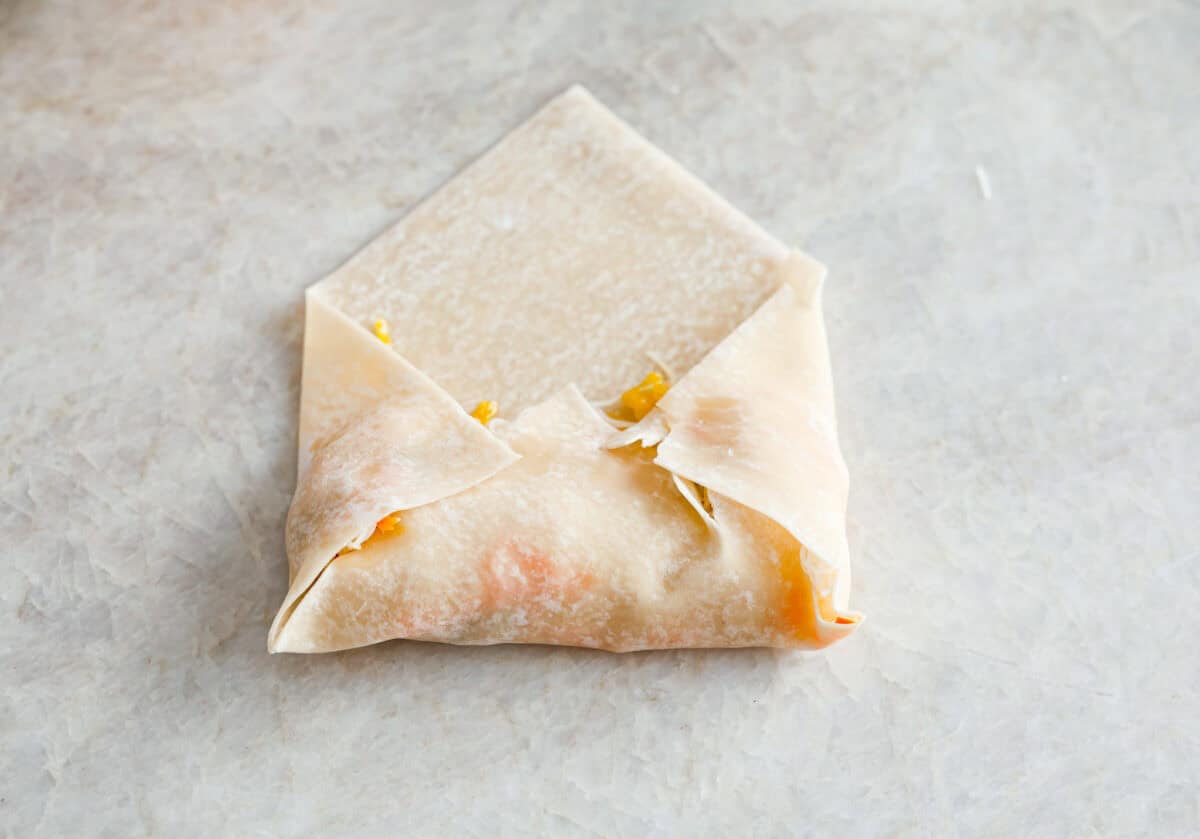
(547,278)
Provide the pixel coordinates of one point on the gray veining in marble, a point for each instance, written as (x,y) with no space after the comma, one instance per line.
(1017,380)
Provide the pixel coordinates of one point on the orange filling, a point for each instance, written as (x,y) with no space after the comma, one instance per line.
(798,613)
(516,575)
(797,610)
(485,412)
(641,398)
(390,524)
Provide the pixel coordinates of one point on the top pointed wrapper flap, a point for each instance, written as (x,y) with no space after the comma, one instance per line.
(561,257)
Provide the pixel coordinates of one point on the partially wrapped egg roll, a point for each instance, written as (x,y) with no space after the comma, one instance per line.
(574,397)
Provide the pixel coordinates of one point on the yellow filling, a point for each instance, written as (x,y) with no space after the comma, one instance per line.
(643,397)
(381,331)
(485,412)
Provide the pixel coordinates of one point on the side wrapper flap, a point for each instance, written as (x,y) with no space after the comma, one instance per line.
(754,420)
(376,436)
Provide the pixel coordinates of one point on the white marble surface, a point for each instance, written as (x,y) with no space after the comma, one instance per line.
(1017,381)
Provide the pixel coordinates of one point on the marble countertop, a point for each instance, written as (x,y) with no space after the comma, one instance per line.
(1006,195)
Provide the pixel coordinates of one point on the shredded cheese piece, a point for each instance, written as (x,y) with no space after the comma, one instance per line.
(643,397)
(390,524)
(381,331)
(486,411)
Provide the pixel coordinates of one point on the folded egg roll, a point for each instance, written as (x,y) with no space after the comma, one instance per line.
(573,397)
